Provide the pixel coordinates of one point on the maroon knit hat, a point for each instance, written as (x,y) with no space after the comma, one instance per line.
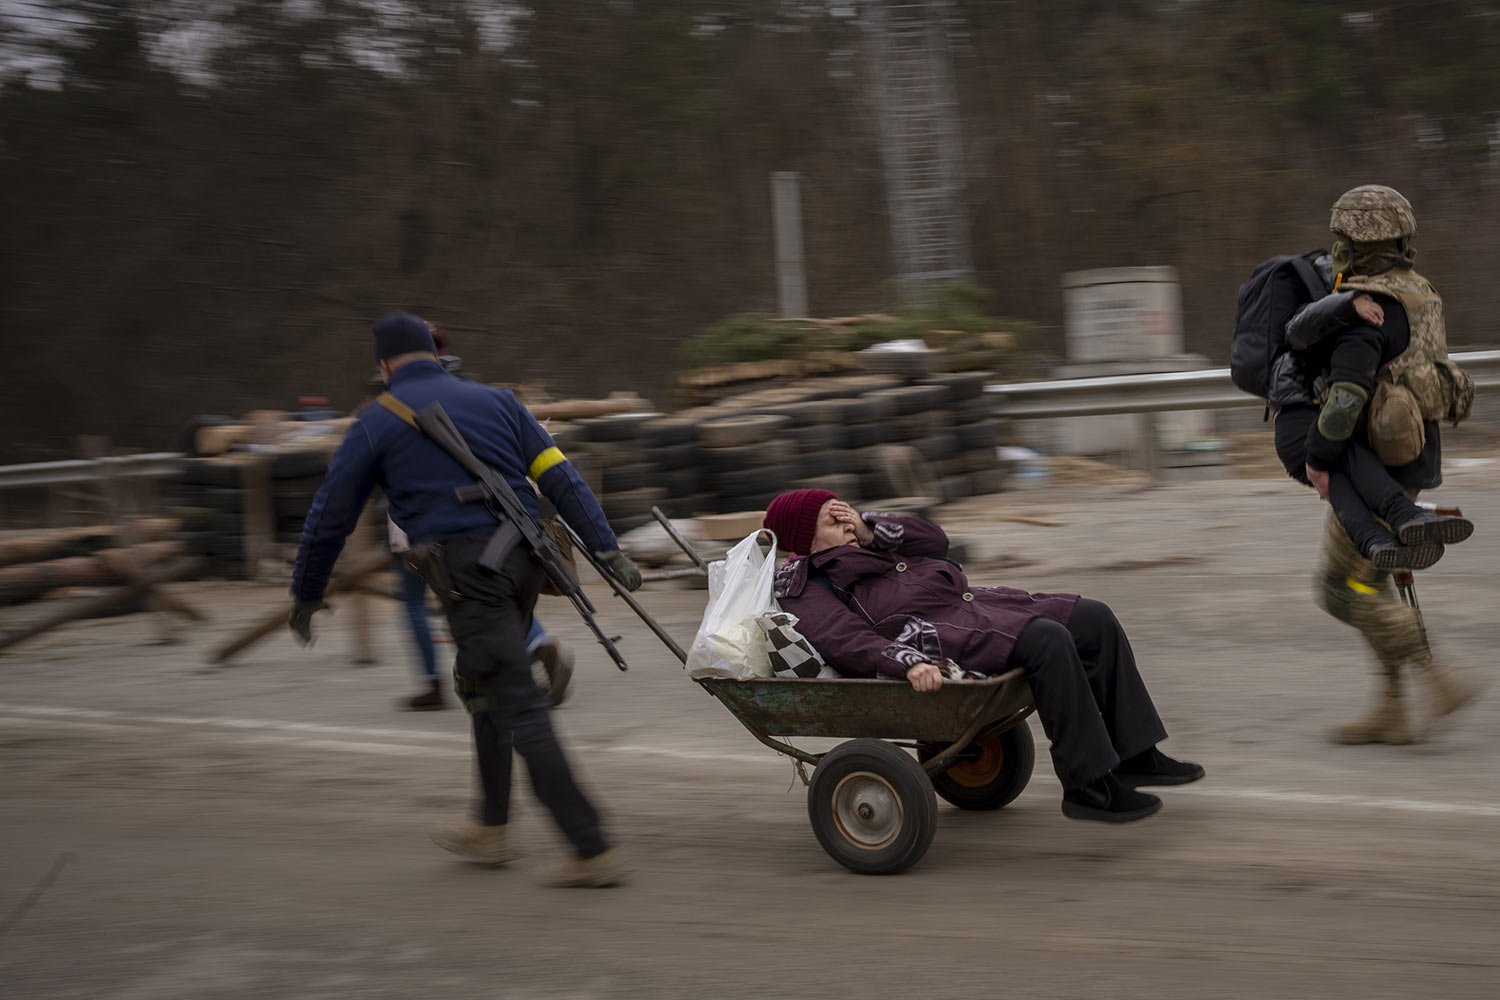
(794,518)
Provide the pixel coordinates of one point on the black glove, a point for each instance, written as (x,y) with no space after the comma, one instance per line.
(620,567)
(300,620)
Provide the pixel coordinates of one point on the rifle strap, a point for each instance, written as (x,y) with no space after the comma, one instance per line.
(507,535)
(397,407)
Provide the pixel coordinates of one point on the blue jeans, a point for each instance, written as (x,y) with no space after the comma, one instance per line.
(414,594)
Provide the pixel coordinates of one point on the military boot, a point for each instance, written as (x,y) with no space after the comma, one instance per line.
(1385,723)
(589,873)
(1447,692)
(483,845)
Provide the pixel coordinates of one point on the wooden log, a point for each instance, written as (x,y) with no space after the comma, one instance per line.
(131,565)
(582,409)
(28,581)
(57,543)
(344,580)
(88,607)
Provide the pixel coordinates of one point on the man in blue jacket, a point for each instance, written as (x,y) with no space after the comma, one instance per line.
(492,608)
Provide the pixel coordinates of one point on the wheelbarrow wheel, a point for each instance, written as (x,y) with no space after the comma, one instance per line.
(872,807)
(991,776)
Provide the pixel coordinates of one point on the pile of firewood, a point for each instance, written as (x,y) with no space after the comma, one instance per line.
(94,570)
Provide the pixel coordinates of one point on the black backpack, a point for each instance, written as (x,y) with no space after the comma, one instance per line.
(1262,310)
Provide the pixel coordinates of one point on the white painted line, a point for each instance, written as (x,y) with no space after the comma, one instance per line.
(691,754)
(228,722)
(1352,801)
(267,732)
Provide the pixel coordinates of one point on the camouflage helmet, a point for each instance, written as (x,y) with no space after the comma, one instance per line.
(1373,212)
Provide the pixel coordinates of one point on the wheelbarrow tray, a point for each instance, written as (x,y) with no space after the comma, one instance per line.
(849,708)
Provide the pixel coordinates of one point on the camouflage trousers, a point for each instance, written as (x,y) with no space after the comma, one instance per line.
(1352,590)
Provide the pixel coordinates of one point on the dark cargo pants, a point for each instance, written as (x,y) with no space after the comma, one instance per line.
(492,675)
(1089,695)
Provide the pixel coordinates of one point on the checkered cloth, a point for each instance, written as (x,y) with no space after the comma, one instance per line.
(790,653)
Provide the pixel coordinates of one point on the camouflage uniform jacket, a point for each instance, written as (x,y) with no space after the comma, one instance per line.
(1442,389)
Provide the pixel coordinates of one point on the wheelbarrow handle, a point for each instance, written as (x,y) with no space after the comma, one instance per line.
(625,595)
(682,543)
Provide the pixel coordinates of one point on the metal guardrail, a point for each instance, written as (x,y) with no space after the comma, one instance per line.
(153,466)
(1158,393)
(1078,397)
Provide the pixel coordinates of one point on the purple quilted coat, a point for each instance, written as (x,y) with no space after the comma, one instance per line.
(874,611)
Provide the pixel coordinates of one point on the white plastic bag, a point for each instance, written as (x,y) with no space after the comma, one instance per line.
(730,642)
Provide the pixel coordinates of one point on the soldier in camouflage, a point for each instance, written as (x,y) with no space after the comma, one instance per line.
(1415,387)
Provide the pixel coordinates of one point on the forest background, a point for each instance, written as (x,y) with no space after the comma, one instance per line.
(203,205)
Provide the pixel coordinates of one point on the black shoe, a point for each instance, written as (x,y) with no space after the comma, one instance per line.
(1155,768)
(1434,529)
(430,700)
(1390,555)
(1108,800)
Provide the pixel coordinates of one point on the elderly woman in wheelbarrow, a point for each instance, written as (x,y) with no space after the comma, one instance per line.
(877,597)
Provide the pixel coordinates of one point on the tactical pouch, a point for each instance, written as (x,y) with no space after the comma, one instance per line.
(1460,390)
(1396,424)
(1443,390)
(427,560)
(564,545)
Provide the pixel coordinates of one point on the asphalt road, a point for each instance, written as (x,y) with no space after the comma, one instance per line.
(170,830)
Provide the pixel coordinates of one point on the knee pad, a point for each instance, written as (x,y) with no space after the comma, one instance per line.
(1340,414)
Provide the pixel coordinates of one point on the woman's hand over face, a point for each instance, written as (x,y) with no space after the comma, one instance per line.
(847,515)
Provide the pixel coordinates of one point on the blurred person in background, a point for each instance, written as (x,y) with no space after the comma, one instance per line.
(489,596)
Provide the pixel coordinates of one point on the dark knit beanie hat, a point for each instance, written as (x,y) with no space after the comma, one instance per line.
(794,518)
(402,333)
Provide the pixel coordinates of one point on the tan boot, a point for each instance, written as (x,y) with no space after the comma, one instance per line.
(591,873)
(483,845)
(1385,723)
(1447,692)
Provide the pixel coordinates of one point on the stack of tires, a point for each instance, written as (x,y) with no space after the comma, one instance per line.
(670,445)
(295,478)
(209,499)
(913,434)
(969,467)
(821,456)
(747,458)
(620,471)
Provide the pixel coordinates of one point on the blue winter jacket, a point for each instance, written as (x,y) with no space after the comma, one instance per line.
(419,478)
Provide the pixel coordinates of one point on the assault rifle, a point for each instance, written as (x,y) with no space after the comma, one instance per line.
(516,522)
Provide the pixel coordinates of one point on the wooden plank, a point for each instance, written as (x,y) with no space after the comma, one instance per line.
(57,543)
(89,607)
(345,579)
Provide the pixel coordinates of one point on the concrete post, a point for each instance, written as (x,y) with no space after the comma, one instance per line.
(786,208)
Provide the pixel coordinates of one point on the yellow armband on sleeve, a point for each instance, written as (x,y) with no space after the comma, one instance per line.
(546,460)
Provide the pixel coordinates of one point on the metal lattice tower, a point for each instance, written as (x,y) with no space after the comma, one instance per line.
(916,104)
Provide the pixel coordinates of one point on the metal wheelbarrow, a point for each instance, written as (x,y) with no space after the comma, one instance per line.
(872,805)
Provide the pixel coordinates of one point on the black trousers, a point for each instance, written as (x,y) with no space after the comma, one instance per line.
(1089,695)
(508,710)
(1360,489)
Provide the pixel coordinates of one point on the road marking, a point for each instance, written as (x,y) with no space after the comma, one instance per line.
(1353,801)
(357,739)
